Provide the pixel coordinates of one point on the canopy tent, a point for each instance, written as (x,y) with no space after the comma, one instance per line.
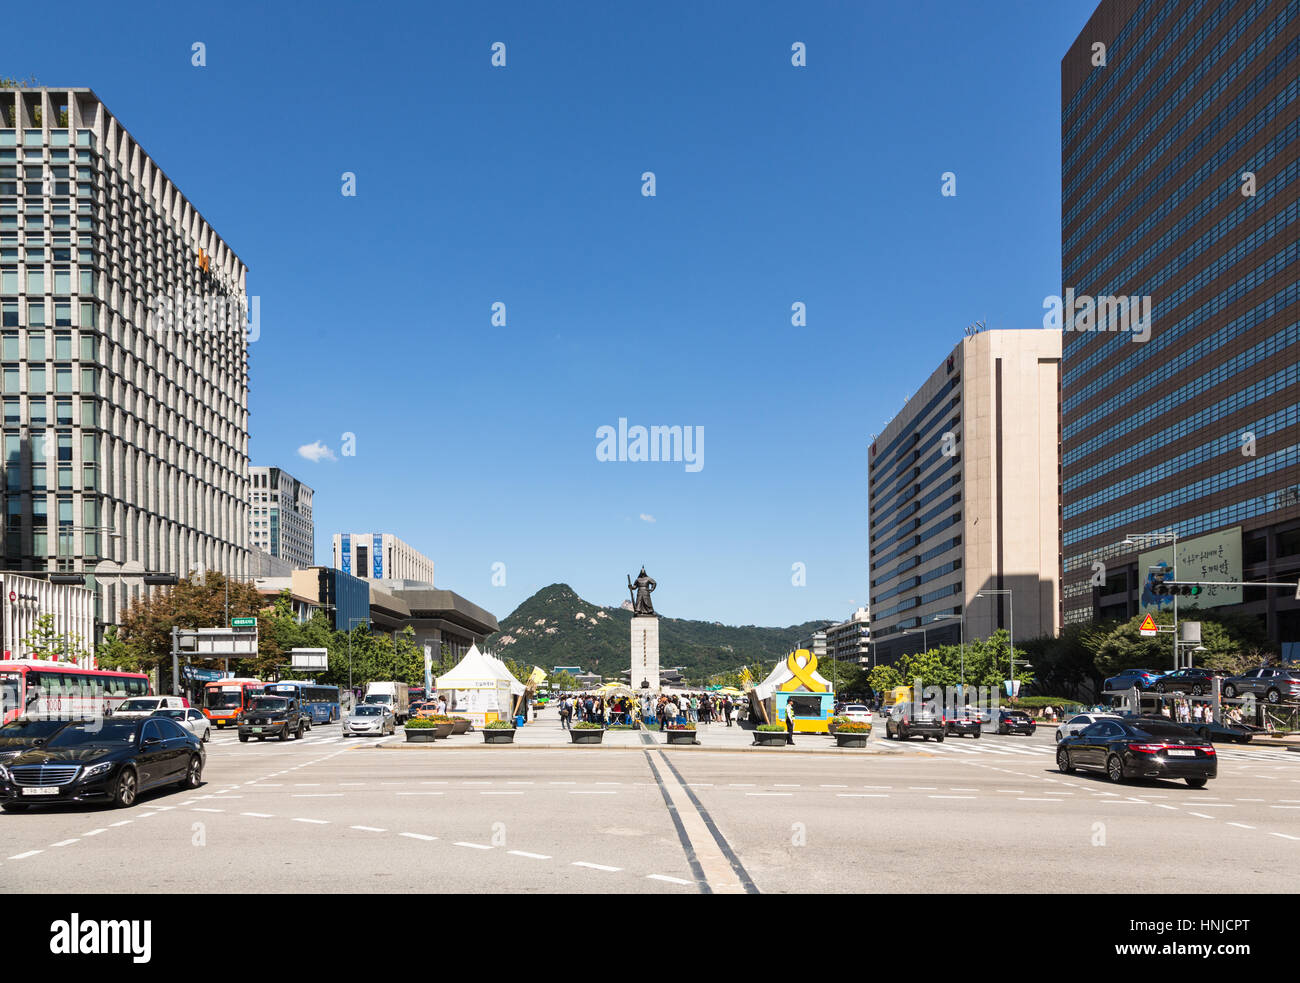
(481,688)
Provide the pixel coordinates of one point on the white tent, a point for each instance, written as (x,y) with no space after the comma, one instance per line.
(479,687)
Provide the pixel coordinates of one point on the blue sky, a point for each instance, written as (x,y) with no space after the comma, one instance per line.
(522,185)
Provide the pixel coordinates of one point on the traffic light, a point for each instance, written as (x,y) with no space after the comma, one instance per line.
(1158,574)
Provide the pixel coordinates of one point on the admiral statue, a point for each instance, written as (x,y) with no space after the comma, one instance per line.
(641,589)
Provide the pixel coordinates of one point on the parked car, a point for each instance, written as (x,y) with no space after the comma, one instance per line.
(370,718)
(1208,730)
(111,760)
(1139,747)
(273,716)
(191,719)
(1015,722)
(904,721)
(144,706)
(1078,722)
(1197,681)
(856,712)
(1141,678)
(963,722)
(1274,684)
(26,733)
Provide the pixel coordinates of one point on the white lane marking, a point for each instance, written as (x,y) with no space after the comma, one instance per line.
(201,809)
(879,787)
(1031,799)
(24,856)
(521,793)
(1216,805)
(418,836)
(472,846)
(433,783)
(523,783)
(922,788)
(620,783)
(579,792)
(426,793)
(1018,791)
(369,829)
(75,839)
(583,863)
(666,878)
(861,795)
(741,785)
(1161,805)
(1285,836)
(1241,825)
(306,784)
(95,832)
(316,822)
(341,784)
(834,786)
(562,783)
(952,796)
(1200,815)
(1284,807)
(258,815)
(317,795)
(124,822)
(771,794)
(779,785)
(530,856)
(953,788)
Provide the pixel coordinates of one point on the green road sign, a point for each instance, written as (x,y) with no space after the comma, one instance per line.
(243,622)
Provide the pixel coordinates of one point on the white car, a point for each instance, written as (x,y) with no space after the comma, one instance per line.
(857,713)
(189,718)
(1068,728)
(370,718)
(144,706)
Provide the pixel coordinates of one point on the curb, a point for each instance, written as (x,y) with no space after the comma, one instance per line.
(686,748)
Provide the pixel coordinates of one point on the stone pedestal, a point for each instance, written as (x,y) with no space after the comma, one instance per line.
(645,652)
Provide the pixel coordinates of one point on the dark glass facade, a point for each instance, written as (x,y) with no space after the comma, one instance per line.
(1181,190)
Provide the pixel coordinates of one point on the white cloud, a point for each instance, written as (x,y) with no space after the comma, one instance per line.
(316,452)
(647,518)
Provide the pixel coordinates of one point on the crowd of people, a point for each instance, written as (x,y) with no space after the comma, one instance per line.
(664,710)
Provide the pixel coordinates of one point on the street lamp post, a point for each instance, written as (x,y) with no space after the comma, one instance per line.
(925,641)
(1011,630)
(352,623)
(962,618)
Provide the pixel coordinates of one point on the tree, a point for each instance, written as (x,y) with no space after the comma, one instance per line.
(45,642)
(564,681)
(113,653)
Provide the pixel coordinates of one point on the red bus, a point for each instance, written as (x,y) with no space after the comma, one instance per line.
(225,699)
(37,688)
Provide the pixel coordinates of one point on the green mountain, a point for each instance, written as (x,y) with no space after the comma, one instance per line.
(555,627)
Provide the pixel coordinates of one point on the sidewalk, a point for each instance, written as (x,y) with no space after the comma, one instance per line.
(546,732)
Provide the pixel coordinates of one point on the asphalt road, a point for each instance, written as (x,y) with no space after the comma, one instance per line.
(333,815)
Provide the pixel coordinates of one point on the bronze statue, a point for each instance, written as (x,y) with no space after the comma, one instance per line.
(640,589)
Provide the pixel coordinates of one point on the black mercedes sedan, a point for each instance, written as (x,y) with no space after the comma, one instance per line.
(111,760)
(1139,747)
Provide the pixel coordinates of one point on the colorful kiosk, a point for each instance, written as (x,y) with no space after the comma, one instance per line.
(795,681)
(481,688)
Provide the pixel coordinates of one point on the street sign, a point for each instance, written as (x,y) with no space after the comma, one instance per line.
(1148,628)
(243,622)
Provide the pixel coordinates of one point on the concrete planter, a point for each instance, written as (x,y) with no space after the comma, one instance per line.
(498,735)
(772,738)
(460,726)
(424,735)
(680,737)
(852,740)
(587,736)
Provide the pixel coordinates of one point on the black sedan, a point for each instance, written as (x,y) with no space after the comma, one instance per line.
(1015,722)
(962,723)
(1197,681)
(111,761)
(1208,730)
(1141,747)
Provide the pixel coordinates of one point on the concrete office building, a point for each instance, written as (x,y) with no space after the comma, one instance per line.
(380,556)
(850,640)
(963,488)
(22,602)
(279,516)
(1181,187)
(124,357)
(815,643)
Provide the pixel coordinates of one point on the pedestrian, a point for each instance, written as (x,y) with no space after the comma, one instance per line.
(789,722)
(726,710)
(566,714)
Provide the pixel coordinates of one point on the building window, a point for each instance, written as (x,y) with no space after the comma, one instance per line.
(36,346)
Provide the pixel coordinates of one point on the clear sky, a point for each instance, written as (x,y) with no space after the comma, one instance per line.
(522,185)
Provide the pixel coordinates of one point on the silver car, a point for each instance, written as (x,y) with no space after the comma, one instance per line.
(1274,684)
(189,718)
(370,719)
(1068,728)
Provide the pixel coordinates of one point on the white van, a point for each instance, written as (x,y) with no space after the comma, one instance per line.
(144,706)
(395,696)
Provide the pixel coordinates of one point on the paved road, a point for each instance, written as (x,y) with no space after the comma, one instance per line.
(329,814)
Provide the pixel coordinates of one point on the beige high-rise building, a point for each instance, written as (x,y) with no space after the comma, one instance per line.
(964,489)
(123,359)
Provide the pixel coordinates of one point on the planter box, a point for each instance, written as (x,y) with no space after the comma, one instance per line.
(764,738)
(460,726)
(425,735)
(852,740)
(498,735)
(680,737)
(587,736)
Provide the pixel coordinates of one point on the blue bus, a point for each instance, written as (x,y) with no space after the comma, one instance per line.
(321,701)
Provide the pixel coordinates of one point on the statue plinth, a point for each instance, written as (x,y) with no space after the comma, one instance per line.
(645,652)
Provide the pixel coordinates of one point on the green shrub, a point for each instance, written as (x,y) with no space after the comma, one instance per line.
(501,725)
(686,726)
(853,727)
(771,728)
(587,725)
(421,723)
